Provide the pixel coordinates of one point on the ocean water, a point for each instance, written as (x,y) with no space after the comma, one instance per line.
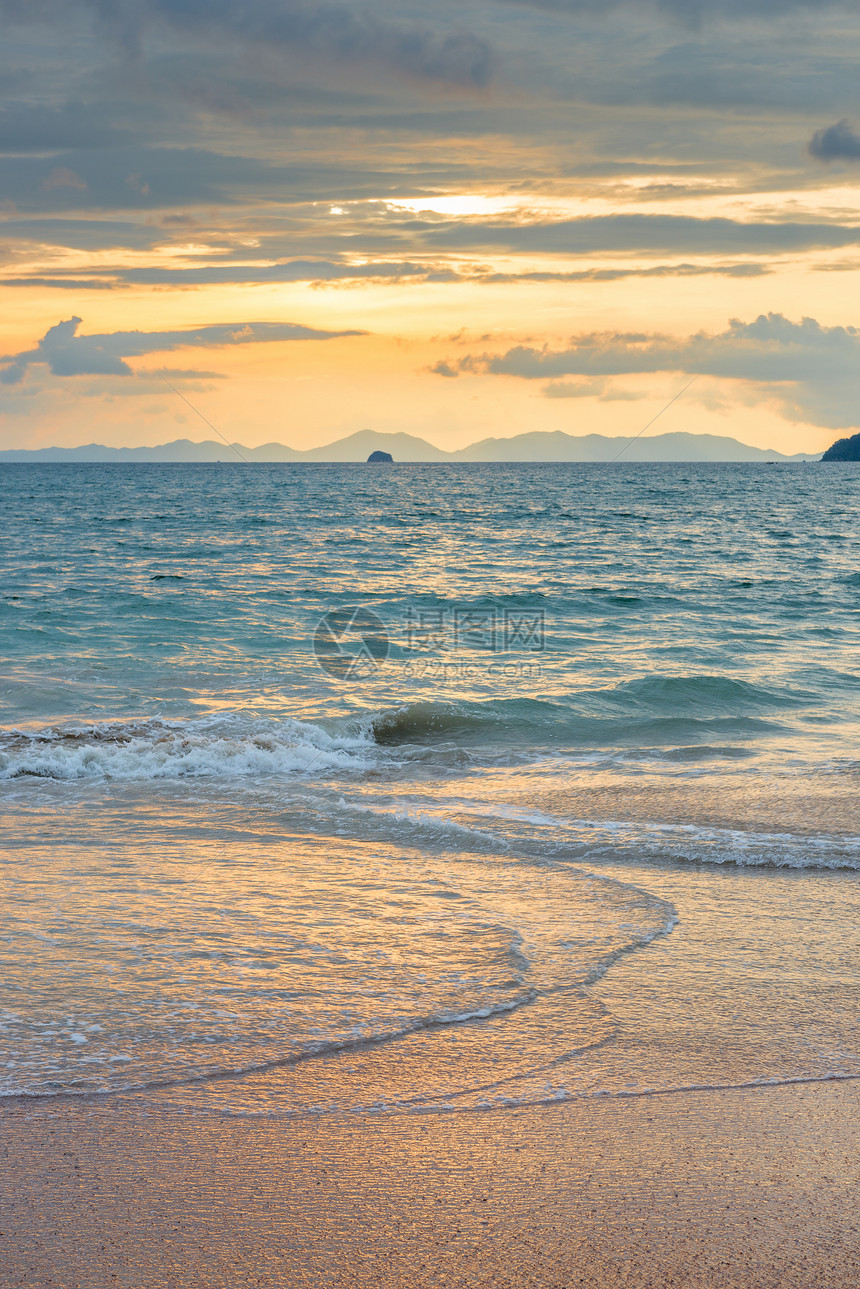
(336,789)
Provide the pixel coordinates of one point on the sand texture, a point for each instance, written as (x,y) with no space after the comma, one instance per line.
(739,1188)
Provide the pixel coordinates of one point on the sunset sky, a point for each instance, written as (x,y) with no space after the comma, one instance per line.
(456,220)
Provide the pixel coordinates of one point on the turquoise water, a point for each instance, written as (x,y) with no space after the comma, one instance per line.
(335,787)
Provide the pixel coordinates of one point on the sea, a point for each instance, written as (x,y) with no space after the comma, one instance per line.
(427,789)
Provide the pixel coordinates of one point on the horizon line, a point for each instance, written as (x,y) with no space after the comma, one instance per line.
(440,455)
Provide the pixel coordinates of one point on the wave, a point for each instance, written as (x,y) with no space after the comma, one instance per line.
(706,692)
(313,1051)
(411,826)
(416,722)
(589,718)
(234,745)
(476,827)
(703,845)
(639,919)
(562,1096)
(221,746)
(652,711)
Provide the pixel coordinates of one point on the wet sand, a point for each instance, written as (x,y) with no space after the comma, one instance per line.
(701,1190)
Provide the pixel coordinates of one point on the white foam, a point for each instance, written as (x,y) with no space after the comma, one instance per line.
(219,747)
(439,826)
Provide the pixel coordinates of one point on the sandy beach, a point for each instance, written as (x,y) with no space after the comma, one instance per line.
(749,1189)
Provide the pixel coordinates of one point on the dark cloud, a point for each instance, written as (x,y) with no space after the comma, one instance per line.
(38,127)
(83,234)
(378,270)
(137,178)
(391,235)
(290,271)
(329,31)
(810,369)
(160,178)
(837,142)
(246,275)
(65,284)
(727,74)
(689,12)
(66,353)
(662,233)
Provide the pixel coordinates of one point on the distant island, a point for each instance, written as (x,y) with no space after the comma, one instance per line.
(380,458)
(365,445)
(844,450)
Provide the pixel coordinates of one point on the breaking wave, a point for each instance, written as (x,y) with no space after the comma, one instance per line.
(223,747)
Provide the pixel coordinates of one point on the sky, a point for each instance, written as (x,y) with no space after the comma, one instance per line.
(457,221)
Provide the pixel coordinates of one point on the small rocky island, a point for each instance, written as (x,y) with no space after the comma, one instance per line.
(380,458)
(844,450)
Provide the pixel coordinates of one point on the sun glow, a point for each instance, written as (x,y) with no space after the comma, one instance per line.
(469,203)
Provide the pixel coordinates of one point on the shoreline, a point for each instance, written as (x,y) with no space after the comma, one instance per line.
(746,1188)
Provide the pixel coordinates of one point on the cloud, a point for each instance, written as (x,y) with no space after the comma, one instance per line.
(65,283)
(65,353)
(329,31)
(148,382)
(179,373)
(63,177)
(665,233)
(163,178)
(689,12)
(809,369)
(141,177)
(837,142)
(377,270)
(289,271)
(567,389)
(315,271)
(771,348)
(33,127)
(615,275)
(83,234)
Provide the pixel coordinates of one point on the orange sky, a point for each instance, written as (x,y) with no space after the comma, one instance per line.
(531,219)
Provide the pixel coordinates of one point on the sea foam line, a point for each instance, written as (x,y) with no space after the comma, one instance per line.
(563,1097)
(221,747)
(423,1024)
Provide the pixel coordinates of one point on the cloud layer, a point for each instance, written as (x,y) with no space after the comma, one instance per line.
(809,368)
(65,353)
(377,34)
(524,168)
